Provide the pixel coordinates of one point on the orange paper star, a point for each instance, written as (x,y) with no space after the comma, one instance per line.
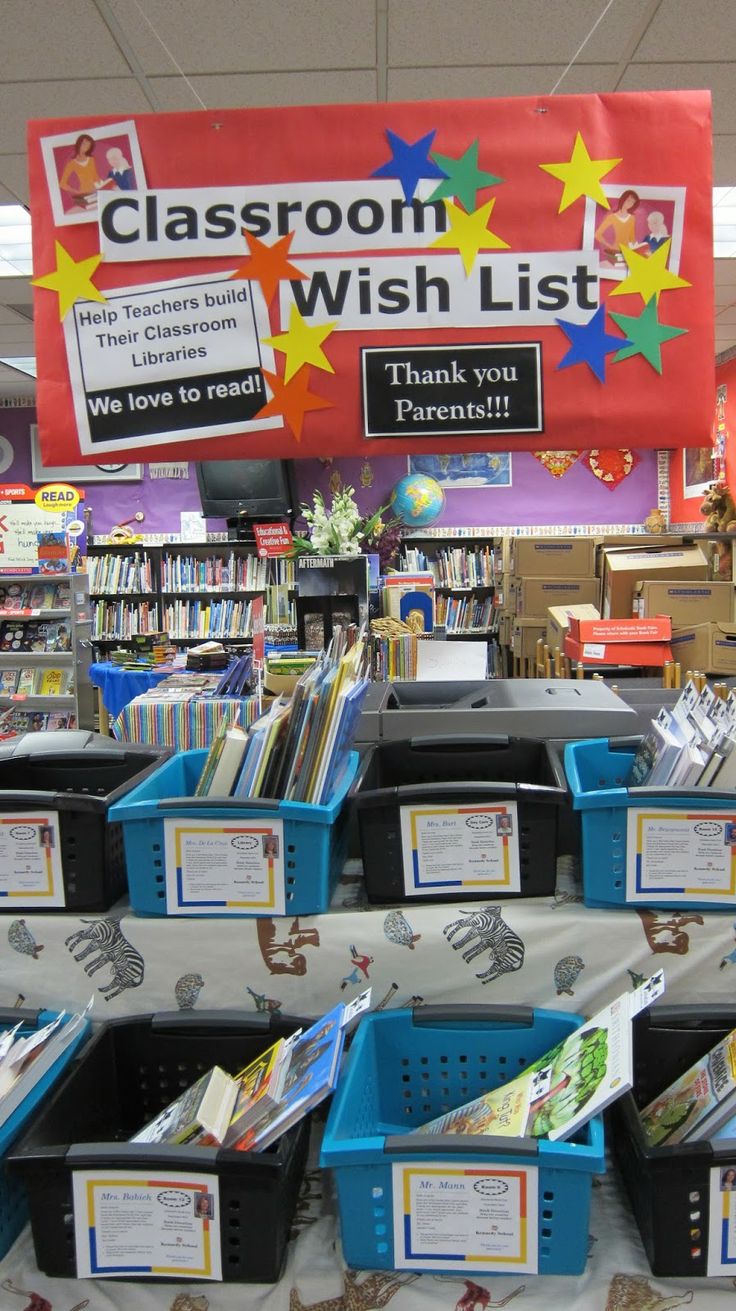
(292,400)
(268,265)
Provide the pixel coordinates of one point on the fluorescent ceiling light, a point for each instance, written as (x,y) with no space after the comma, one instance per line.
(23,363)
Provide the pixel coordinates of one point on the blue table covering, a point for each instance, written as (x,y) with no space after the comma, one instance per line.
(119,686)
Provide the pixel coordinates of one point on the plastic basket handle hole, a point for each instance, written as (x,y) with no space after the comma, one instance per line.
(375,1192)
(382,1248)
(548,1197)
(379,1212)
(546,1215)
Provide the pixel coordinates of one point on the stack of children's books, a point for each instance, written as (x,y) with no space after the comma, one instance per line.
(298,750)
(557,1094)
(691,745)
(701,1103)
(250,1110)
(26,1058)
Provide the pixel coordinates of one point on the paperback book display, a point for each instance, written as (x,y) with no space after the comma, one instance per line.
(25,1060)
(691,745)
(250,1110)
(299,748)
(30,681)
(35,635)
(22,599)
(557,1094)
(700,1104)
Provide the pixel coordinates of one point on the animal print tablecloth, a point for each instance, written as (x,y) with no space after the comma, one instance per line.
(546,952)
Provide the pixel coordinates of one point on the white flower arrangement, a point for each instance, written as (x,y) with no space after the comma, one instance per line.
(340,530)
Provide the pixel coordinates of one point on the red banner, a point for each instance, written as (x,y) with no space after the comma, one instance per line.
(527,274)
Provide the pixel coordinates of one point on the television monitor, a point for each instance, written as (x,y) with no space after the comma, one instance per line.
(247,490)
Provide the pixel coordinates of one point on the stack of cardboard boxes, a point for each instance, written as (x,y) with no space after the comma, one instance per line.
(544,573)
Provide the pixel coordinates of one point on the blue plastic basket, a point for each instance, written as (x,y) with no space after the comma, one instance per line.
(13,1204)
(405,1067)
(315,837)
(596,772)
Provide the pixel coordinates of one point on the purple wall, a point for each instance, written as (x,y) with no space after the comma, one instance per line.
(535,497)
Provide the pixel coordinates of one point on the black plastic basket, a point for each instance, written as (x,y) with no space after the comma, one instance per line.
(126,1074)
(459,771)
(669,1186)
(78,775)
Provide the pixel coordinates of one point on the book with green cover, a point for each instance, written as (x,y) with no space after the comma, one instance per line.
(698,1103)
(558,1093)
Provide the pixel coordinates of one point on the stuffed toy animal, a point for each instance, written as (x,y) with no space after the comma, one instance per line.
(655,522)
(720,512)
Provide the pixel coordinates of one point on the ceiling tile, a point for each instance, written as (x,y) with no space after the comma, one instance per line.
(726,319)
(717,78)
(259,89)
(7,197)
(14,175)
(232,37)
(68,35)
(724,155)
(725,272)
(65,99)
(8,316)
(441,83)
(428,33)
(680,30)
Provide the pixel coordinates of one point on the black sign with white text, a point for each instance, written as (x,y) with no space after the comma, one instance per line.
(446,391)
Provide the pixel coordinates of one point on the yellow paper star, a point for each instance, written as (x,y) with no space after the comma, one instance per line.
(302,344)
(72,279)
(581,175)
(648,274)
(468,233)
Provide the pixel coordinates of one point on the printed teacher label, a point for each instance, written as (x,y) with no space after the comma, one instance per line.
(721,1259)
(126,1224)
(445,847)
(465,1218)
(225,868)
(30,860)
(676,855)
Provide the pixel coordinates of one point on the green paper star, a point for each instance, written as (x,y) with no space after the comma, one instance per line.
(464,178)
(645,334)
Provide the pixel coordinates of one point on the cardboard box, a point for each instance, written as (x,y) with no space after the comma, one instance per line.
(534,596)
(610,631)
(526,634)
(553,557)
(642,655)
(632,542)
(505,629)
(687,604)
(624,570)
(709,648)
(558,617)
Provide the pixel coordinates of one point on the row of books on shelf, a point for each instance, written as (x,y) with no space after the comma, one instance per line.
(394,657)
(120,573)
(691,745)
(234,573)
(32,681)
(34,596)
(14,722)
(463,615)
(122,620)
(456,566)
(34,635)
(248,1111)
(298,750)
(208,619)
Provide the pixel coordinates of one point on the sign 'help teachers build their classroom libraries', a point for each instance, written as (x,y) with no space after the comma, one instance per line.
(534,273)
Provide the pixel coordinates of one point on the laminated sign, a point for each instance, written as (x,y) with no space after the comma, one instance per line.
(500,274)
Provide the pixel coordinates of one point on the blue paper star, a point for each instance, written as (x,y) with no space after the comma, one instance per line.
(409,162)
(590,343)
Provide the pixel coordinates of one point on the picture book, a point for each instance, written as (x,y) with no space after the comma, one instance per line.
(12,597)
(260,1086)
(26,681)
(229,762)
(58,637)
(558,1093)
(8,681)
(53,682)
(206,1106)
(310,1077)
(698,1103)
(42,597)
(26,1059)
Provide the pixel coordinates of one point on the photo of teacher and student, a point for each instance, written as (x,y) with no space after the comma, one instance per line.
(640,219)
(81,165)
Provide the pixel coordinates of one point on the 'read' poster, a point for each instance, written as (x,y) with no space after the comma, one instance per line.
(334,280)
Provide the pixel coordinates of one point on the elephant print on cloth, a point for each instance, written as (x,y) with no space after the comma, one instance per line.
(635,1293)
(371,1294)
(285,957)
(486,930)
(106,944)
(668,935)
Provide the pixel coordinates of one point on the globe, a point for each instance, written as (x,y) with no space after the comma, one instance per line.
(417,500)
